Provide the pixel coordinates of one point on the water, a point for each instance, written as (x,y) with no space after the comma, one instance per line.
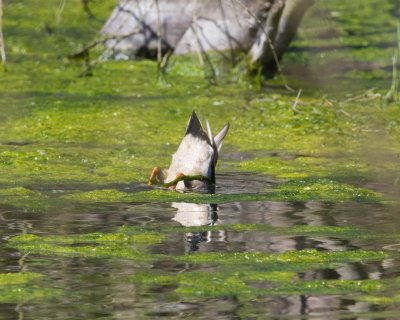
(97,288)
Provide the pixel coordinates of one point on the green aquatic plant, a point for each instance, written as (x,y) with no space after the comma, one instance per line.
(312,257)
(292,190)
(246,275)
(305,230)
(121,243)
(326,189)
(18,278)
(114,245)
(24,287)
(23,198)
(250,284)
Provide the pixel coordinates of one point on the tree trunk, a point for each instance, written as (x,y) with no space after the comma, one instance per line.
(277,33)
(261,28)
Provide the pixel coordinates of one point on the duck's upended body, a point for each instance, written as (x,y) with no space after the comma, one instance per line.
(197,155)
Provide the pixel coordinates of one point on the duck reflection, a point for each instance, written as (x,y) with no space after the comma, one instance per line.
(196,215)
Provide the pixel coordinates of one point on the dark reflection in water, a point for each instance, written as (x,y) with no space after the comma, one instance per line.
(192,214)
(98,289)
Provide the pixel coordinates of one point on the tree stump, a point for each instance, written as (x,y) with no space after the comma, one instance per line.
(262,29)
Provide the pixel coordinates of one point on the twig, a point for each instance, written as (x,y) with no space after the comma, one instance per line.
(226,30)
(2,45)
(270,44)
(296,102)
(60,10)
(203,57)
(198,47)
(159,55)
(392,94)
(185,178)
(85,50)
(182,177)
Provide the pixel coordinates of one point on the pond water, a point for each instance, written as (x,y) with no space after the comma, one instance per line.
(305,219)
(82,285)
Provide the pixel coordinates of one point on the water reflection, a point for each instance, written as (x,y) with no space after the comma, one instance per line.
(194,215)
(288,214)
(106,291)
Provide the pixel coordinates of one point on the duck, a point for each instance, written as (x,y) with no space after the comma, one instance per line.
(193,164)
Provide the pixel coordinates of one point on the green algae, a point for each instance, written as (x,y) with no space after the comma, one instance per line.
(338,44)
(292,190)
(305,167)
(23,198)
(18,278)
(114,245)
(250,284)
(121,244)
(85,136)
(24,287)
(246,275)
(301,257)
(114,126)
(266,275)
(326,189)
(305,230)
(215,286)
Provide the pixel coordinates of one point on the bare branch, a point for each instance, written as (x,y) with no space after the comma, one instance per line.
(159,55)
(294,106)
(60,10)
(85,50)
(2,44)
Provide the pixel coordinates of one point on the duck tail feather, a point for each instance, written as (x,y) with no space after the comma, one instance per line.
(210,136)
(195,128)
(220,136)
